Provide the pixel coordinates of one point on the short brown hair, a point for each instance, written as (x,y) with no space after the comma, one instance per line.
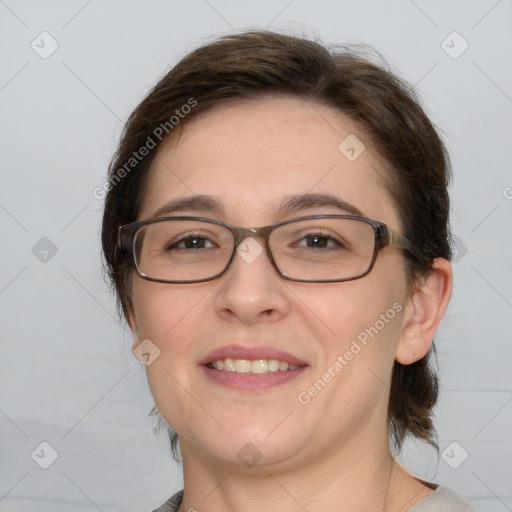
(261,63)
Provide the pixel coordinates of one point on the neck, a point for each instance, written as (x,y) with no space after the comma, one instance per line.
(356,480)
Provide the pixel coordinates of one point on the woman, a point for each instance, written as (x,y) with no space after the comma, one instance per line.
(276,229)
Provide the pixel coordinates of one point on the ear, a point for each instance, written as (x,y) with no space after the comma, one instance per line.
(424,311)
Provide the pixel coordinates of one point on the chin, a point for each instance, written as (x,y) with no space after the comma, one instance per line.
(258,457)
(251,448)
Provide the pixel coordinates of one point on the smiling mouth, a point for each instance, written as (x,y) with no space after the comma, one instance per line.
(256,366)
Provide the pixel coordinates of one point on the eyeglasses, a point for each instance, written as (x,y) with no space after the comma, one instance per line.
(312,249)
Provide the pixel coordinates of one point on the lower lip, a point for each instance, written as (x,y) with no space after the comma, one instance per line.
(251,381)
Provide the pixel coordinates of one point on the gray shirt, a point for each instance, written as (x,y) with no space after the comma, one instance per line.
(441,500)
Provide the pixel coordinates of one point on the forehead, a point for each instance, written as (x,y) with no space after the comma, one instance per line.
(250,155)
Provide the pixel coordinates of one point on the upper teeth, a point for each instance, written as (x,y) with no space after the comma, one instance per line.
(252,366)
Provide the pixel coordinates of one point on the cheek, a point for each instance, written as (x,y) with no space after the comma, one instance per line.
(352,379)
(360,318)
(170,317)
(356,361)
(159,308)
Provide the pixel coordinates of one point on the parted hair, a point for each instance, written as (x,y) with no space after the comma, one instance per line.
(352,79)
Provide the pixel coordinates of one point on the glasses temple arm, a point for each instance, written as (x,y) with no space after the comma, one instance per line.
(395,239)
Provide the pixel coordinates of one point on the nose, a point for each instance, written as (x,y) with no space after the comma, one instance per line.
(251,290)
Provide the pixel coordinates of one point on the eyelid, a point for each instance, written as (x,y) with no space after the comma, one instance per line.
(322,232)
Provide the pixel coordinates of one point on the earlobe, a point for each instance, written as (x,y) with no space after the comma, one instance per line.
(424,313)
(413,344)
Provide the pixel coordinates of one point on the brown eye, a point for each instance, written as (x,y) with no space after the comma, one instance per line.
(191,242)
(320,241)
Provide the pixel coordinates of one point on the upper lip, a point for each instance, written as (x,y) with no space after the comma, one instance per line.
(251,353)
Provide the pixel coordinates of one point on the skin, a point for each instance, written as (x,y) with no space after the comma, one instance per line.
(333,451)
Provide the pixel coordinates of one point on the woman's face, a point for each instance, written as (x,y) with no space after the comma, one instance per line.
(251,158)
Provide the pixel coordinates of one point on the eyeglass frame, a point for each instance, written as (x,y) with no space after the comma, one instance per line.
(384,237)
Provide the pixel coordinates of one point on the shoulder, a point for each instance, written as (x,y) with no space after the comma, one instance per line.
(172,504)
(442,500)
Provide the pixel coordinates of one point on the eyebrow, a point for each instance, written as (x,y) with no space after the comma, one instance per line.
(296,203)
(291,205)
(196,204)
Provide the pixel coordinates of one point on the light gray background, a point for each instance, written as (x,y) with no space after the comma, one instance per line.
(67,373)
